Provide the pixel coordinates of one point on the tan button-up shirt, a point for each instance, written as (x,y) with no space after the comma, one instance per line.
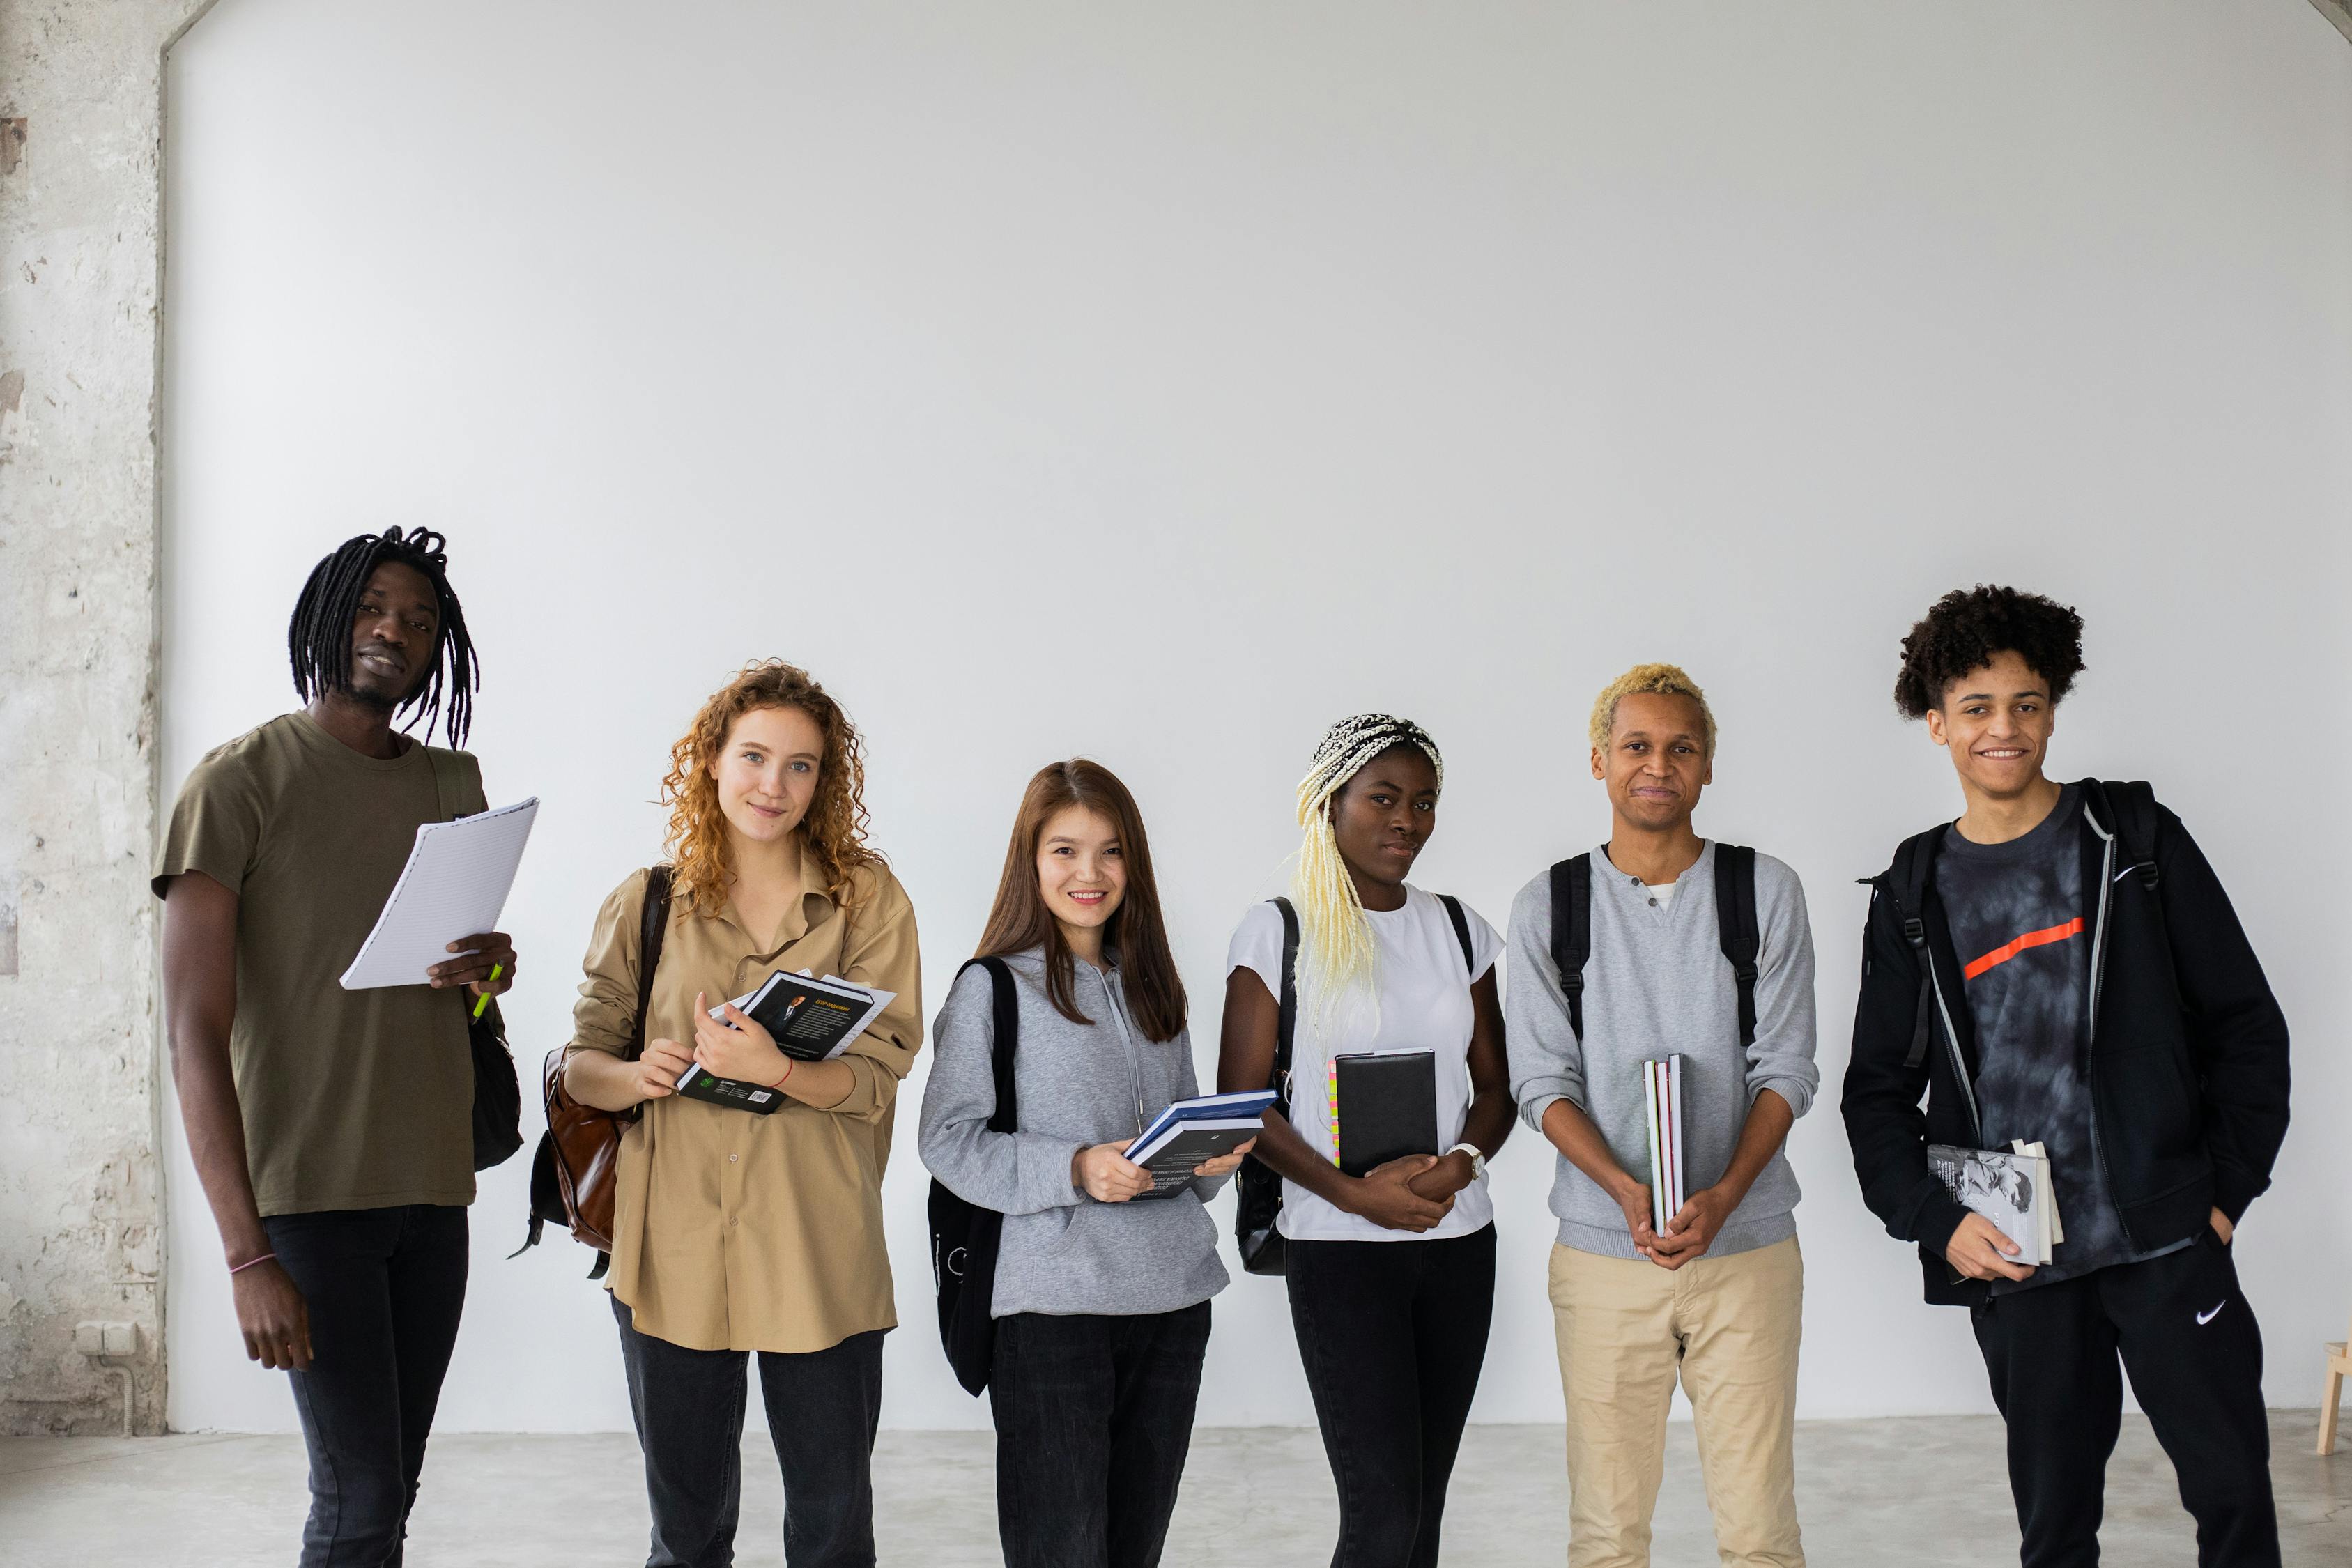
(733,1231)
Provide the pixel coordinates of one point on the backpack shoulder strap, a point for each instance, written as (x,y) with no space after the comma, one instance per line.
(1571,932)
(653,920)
(1461,928)
(2128,808)
(1907,884)
(1285,1028)
(1735,926)
(1004,1038)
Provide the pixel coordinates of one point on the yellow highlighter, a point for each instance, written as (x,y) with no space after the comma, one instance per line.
(484,999)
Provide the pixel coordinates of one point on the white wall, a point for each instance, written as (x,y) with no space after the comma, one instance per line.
(1163,382)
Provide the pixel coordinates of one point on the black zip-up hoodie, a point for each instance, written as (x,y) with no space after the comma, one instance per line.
(2188,1049)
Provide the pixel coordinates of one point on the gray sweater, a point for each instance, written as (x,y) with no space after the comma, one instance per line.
(1078,1085)
(1657,982)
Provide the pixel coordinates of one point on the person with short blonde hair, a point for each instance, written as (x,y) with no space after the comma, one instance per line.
(1660,942)
(1651,681)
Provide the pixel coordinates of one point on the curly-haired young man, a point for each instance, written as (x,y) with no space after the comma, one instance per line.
(2060,965)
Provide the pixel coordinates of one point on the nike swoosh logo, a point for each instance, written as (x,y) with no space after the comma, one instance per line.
(2205,1318)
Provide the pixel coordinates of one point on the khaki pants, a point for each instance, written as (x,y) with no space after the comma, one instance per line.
(1730,1326)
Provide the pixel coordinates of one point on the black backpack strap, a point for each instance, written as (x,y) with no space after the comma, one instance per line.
(1285,1028)
(2128,810)
(1571,932)
(1735,926)
(653,920)
(1906,882)
(1461,929)
(1004,1017)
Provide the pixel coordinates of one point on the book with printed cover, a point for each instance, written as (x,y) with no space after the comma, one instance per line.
(2009,1187)
(811,1019)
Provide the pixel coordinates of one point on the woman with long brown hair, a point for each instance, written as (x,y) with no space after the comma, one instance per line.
(736,1233)
(1101,1303)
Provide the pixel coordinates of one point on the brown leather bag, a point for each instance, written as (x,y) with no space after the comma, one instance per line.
(573,1173)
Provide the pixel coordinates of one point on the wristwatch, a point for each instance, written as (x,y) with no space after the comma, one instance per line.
(1477,1161)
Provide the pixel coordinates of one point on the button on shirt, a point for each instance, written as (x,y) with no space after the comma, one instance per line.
(733,1231)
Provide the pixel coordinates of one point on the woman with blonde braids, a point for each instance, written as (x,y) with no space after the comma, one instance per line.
(736,1233)
(1392,1273)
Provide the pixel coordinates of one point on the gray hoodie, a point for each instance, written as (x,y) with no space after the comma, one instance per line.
(1078,1085)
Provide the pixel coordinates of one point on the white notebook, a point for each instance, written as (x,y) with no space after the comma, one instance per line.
(455,884)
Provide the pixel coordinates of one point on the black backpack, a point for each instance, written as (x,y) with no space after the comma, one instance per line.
(1257,1190)
(964,1236)
(1735,929)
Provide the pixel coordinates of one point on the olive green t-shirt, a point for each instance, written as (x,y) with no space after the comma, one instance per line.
(352,1099)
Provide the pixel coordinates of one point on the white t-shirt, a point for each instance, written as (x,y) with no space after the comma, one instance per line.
(1424,1002)
(1662,893)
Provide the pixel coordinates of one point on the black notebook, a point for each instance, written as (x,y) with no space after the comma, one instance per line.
(1383,1106)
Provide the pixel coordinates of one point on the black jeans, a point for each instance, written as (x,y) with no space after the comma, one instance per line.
(822,1408)
(384,1288)
(1392,1333)
(2184,1330)
(1094,1417)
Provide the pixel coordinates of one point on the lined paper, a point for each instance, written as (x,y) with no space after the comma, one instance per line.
(455,884)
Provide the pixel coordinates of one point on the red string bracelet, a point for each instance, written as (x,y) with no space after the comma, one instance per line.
(789,1064)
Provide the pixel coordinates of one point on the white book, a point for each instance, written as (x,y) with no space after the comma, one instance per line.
(1657,1149)
(2050,1209)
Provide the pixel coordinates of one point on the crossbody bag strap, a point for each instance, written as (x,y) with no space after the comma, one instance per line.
(444,782)
(1571,932)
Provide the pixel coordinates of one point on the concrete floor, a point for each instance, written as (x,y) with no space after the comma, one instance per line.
(1914,1492)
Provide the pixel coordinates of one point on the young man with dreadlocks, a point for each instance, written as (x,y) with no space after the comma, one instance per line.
(2060,965)
(332,1129)
(1392,1273)
(1656,943)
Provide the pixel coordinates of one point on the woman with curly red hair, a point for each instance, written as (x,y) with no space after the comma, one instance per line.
(736,1233)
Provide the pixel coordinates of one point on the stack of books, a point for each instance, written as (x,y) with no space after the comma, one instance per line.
(1193,1131)
(1662,1095)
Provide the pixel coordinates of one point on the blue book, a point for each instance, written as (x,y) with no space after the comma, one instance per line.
(1192,1131)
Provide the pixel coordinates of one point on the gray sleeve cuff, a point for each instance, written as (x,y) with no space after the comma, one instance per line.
(1532,1109)
(1797,1091)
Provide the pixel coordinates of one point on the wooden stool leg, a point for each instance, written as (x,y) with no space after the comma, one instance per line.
(2333,1391)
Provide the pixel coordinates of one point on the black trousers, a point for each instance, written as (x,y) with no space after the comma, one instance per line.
(384,1288)
(1393,1334)
(2185,1332)
(823,1409)
(1094,1417)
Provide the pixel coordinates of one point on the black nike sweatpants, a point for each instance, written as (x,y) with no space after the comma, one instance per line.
(2183,1329)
